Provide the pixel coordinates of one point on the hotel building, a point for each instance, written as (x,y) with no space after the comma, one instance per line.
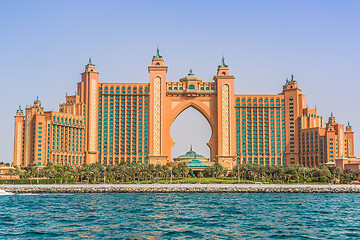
(112,123)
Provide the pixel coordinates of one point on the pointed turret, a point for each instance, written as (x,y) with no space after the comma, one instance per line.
(37,102)
(331,122)
(157,62)
(19,112)
(290,84)
(90,67)
(348,127)
(223,70)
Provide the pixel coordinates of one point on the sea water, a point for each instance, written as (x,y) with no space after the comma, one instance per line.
(180,216)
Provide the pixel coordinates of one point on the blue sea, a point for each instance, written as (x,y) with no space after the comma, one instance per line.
(180,216)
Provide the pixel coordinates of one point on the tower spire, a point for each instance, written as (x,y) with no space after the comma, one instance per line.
(90,63)
(191,148)
(223,64)
(157,53)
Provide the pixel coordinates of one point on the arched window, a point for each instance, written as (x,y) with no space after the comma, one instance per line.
(191,87)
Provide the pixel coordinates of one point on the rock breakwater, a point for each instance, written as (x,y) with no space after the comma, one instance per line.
(182,188)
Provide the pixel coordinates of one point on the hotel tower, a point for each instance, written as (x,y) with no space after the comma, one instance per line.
(112,123)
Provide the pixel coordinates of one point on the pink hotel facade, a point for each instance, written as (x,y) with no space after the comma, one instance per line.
(112,123)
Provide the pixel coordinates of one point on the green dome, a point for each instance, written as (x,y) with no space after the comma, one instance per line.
(197,163)
(191,154)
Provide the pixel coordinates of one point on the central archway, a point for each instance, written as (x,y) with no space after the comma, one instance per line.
(190,127)
(214,100)
(175,108)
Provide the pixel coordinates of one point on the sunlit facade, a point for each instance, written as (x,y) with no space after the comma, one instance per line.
(112,123)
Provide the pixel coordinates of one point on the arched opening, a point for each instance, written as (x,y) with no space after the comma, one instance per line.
(190,128)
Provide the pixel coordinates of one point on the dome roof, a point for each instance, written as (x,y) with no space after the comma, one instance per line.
(196,163)
(191,154)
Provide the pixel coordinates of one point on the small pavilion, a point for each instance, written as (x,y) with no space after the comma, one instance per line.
(196,165)
(193,160)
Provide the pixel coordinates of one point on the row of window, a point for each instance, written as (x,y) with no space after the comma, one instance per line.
(134,120)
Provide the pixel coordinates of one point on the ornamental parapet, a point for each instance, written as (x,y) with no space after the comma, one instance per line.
(190,89)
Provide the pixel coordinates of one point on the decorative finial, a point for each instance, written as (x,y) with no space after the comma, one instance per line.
(332,115)
(292,77)
(223,64)
(20,108)
(37,99)
(66,94)
(191,148)
(90,63)
(287,82)
(191,73)
(349,126)
(157,53)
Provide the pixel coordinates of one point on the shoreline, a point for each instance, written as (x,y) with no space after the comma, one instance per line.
(182,188)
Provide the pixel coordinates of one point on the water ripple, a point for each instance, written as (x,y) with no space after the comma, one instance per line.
(180,216)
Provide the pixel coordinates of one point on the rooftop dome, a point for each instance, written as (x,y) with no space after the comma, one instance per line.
(196,163)
(191,154)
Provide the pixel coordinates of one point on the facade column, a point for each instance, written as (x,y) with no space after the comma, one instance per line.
(294,105)
(18,138)
(157,72)
(226,116)
(88,90)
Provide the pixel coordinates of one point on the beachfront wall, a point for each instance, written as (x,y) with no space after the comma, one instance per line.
(112,123)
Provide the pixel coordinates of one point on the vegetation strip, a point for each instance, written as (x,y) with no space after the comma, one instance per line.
(143,173)
(183,188)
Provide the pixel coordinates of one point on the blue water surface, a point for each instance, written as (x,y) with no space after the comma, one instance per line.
(180,216)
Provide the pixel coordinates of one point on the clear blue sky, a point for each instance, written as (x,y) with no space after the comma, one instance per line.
(44,46)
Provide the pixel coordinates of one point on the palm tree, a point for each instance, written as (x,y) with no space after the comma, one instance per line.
(165,172)
(183,169)
(217,170)
(158,170)
(11,172)
(49,171)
